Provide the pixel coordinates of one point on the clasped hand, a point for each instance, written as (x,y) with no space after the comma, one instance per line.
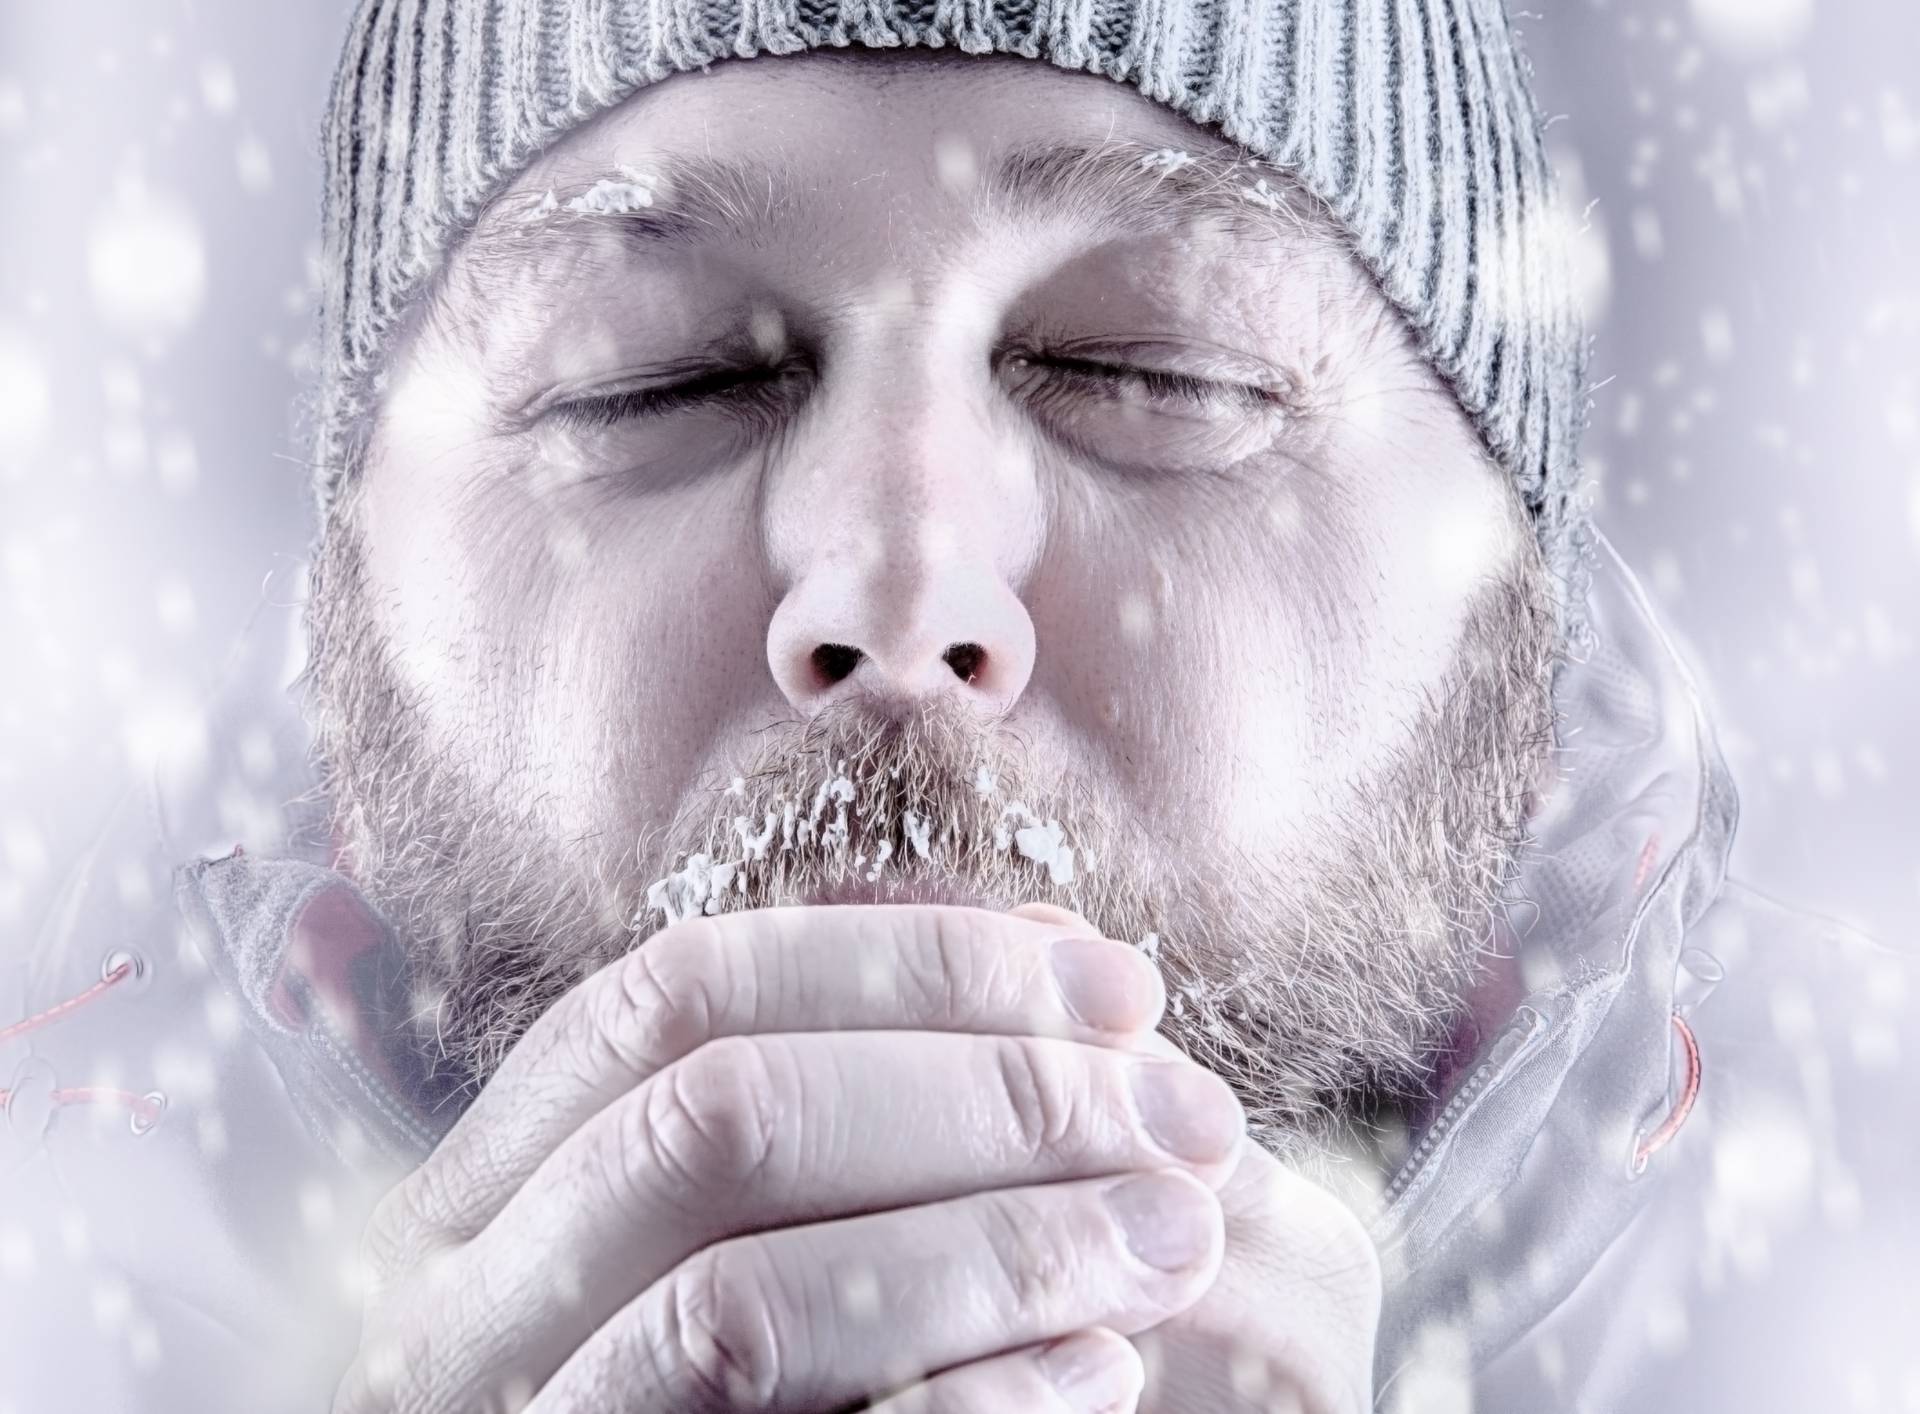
(802,1159)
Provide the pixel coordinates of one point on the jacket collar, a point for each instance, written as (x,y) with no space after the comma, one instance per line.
(1547,1146)
(325,985)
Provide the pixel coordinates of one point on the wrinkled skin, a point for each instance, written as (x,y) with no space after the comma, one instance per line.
(1223,630)
(633,1213)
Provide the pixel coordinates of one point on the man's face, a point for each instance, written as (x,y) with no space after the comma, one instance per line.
(885,420)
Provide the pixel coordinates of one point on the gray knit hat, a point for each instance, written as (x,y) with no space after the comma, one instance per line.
(1410,119)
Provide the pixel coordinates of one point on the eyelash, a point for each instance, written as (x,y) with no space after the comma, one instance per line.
(760,392)
(761,387)
(1090,375)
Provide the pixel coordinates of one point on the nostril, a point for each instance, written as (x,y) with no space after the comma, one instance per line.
(835,661)
(965,660)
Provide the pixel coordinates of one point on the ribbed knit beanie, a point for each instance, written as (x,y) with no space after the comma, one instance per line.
(1410,119)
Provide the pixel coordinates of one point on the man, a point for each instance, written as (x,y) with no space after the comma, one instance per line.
(974,756)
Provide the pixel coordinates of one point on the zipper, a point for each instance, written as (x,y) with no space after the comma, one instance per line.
(1438,1130)
(1476,1082)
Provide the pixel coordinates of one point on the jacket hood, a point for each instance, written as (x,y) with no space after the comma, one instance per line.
(1546,1148)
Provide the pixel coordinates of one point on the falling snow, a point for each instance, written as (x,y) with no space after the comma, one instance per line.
(147,261)
(1737,182)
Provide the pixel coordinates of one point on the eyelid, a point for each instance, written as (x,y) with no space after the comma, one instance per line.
(754,387)
(660,375)
(1197,359)
(689,383)
(1179,384)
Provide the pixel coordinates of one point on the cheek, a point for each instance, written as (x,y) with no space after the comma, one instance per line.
(1436,523)
(1200,647)
(652,637)
(1248,655)
(1442,525)
(578,652)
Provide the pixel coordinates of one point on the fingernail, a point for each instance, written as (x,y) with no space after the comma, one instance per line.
(1169,1219)
(1102,987)
(1189,1113)
(1093,1374)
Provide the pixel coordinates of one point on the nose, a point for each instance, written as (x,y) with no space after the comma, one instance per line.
(901,630)
(902,548)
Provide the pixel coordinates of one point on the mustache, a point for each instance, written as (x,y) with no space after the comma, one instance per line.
(906,801)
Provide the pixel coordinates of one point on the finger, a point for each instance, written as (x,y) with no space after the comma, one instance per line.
(1307,1274)
(753,1133)
(825,968)
(1089,1372)
(822,1316)
(1151,1042)
(1054,913)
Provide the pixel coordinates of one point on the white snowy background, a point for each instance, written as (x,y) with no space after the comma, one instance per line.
(1749,174)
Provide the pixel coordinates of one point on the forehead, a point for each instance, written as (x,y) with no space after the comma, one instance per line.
(796,150)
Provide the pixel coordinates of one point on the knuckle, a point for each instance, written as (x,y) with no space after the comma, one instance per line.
(708,1122)
(395,1233)
(661,1004)
(382,1243)
(945,963)
(391,1372)
(1035,1267)
(719,1339)
(1040,1097)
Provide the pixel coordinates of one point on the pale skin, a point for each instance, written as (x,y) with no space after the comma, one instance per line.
(708,1179)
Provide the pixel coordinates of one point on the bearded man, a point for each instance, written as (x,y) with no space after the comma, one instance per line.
(976,754)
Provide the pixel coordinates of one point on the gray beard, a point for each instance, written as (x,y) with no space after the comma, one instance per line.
(1324,987)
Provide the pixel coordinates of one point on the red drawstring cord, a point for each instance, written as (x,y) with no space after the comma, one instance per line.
(1677,1116)
(1648,854)
(1690,1088)
(145,1108)
(71,1004)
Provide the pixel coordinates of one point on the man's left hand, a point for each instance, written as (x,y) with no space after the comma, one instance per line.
(1289,1323)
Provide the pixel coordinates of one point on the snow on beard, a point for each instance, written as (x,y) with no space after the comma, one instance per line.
(883,805)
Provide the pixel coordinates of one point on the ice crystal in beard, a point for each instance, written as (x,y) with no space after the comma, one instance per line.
(905,807)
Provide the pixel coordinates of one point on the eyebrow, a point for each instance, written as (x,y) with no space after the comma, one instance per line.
(1127,189)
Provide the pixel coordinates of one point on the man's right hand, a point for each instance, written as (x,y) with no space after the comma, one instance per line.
(799,1158)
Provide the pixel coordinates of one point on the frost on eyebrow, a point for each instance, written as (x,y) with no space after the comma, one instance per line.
(1260,194)
(611,197)
(1127,186)
(522,237)
(1166,159)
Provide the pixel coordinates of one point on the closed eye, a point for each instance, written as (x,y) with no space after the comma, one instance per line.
(759,390)
(1093,376)
(762,391)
